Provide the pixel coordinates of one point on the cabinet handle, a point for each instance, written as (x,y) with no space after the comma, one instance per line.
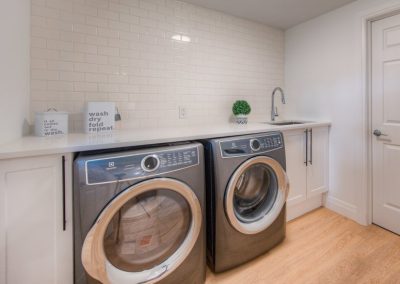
(63,194)
(306,162)
(311,146)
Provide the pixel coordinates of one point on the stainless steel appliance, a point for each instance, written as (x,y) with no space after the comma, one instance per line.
(139,216)
(247,188)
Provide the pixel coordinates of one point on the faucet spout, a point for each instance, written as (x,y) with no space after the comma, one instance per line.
(274,110)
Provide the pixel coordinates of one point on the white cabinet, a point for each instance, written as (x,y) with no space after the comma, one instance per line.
(307,164)
(295,144)
(35,199)
(318,162)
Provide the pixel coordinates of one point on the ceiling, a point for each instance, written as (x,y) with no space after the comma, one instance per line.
(281,14)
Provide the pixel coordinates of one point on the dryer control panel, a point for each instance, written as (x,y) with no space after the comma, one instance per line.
(234,147)
(128,166)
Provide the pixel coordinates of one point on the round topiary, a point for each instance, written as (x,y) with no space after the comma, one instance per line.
(241,108)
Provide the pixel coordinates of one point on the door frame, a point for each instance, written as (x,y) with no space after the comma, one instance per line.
(367,20)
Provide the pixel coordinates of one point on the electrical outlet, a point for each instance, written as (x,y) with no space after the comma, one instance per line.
(182,112)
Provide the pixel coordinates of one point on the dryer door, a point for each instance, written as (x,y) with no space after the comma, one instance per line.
(144,234)
(256,194)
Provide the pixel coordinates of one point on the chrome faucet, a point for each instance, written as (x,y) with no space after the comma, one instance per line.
(274,110)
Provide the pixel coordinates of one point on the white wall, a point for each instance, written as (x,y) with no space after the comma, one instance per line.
(14,67)
(324,80)
(122,51)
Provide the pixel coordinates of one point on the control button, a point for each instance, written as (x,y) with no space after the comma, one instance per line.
(150,163)
(255,144)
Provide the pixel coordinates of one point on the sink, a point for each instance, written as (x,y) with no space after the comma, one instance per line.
(286,122)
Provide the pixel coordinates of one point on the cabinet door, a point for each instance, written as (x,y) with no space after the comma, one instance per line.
(295,144)
(34,247)
(317,170)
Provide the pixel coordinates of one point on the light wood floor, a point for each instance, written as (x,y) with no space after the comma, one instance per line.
(323,247)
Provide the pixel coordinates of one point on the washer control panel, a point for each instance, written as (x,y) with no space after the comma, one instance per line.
(249,146)
(127,166)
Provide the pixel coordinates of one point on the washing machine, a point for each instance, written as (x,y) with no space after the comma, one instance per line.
(139,216)
(247,188)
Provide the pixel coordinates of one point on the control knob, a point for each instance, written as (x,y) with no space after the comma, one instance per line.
(150,163)
(255,145)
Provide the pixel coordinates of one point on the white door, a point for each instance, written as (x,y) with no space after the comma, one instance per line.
(318,154)
(295,145)
(386,122)
(35,247)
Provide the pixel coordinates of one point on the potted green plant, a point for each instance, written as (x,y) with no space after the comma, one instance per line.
(241,110)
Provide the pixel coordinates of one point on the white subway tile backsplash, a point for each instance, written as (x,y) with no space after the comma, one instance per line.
(105,50)
(96,40)
(131,52)
(130,19)
(40,74)
(85,48)
(43,53)
(109,14)
(118,79)
(72,76)
(109,69)
(109,88)
(43,32)
(72,56)
(98,78)
(96,59)
(108,33)
(118,97)
(38,63)
(38,42)
(85,87)
(60,45)
(96,21)
(72,36)
(131,3)
(59,86)
(114,25)
(86,29)
(85,67)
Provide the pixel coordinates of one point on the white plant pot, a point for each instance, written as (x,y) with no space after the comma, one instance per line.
(241,119)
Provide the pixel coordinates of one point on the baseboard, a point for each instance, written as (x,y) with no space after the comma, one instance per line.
(302,208)
(343,208)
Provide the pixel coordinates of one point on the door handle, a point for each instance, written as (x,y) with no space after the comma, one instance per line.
(378,133)
(64,221)
(306,162)
(311,146)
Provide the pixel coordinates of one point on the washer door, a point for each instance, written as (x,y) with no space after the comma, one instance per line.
(256,194)
(144,234)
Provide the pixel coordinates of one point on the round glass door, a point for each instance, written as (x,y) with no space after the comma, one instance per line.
(144,233)
(256,194)
(147,230)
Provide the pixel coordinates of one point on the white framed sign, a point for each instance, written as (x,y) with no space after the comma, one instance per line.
(99,117)
(51,122)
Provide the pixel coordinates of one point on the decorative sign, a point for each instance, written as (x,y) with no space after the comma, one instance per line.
(51,123)
(100,117)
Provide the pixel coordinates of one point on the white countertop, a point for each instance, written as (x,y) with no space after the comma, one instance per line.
(77,142)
